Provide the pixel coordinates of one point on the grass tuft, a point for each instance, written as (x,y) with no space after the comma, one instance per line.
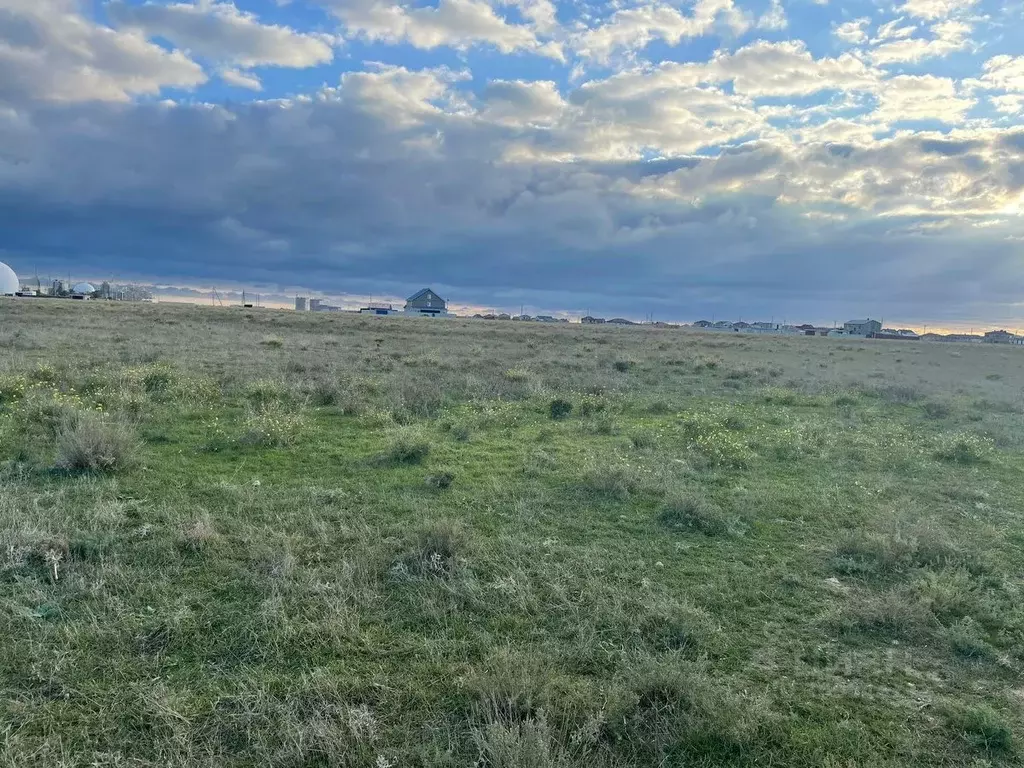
(559,408)
(965,448)
(436,551)
(88,441)
(690,512)
(408,446)
(982,728)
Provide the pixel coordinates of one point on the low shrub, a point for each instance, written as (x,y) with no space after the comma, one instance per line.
(900,394)
(983,728)
(685,511)
(893,614)
(900,548)
(89,441)
(936,410)
(966,639)
(272,425)
(965,448)
(441,480)
(622,366)
(263,391)
(560,409)
(436,551)
(324,391)
(617,481)
(408,446)
(641,440)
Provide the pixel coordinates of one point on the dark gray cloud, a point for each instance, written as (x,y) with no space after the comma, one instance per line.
(338,194)
(660,189)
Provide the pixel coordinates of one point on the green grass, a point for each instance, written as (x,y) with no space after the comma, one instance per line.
(379,542)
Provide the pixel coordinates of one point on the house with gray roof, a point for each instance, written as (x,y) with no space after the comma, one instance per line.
(426,303)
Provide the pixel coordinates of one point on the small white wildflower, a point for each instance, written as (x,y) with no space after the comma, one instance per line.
(256,483)
(53,558)
(659,564)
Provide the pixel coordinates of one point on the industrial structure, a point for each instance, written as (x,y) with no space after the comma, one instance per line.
(9,284)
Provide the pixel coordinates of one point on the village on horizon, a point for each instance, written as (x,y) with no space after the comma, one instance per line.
(427,303)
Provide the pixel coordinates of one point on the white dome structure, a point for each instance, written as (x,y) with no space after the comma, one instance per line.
(84,288)
(9,284)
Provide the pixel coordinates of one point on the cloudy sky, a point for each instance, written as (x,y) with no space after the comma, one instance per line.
(809,159)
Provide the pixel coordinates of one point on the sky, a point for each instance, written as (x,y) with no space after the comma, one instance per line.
(814,160)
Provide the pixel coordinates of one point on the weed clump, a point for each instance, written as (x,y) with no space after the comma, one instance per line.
(407,447)
(441,481)
(902,548)
(272,425)
(517,375)
(89,441)
(274,342)
(894,614)
(982,728)
(682,511)
(965,448)
(324,391)
(966,640)
(560,409)
(617,481)
(623,366)
(936,410)
(435,552)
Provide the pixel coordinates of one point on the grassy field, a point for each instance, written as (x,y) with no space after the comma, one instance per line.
(246,537)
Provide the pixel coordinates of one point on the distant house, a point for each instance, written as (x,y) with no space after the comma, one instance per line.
(897,334)
(620,321)
(588,320)
(1003,337)
(426,303)
(866,327)
(740,325)
(702,324)
(378,309)
(546,319)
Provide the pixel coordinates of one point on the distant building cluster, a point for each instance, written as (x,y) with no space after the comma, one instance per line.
(423,303)
(10,285)
(428,303)
(992,337)
(864,329)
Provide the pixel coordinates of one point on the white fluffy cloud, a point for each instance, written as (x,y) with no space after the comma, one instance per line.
(220,31)
(1005,73)
(936,9)
(922,97)
(853,32)
(947,36)
(241,79)
(523,102)
(50,51)
(453,23)
(774,18)
(632,29)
